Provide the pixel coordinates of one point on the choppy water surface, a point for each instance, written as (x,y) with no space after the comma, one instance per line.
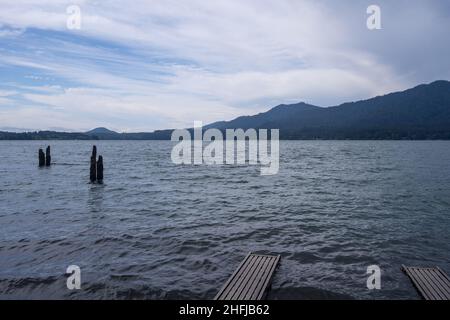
(155,230)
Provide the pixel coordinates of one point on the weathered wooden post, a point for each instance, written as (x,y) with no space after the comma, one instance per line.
(100,169)
(48,158)
(41,158)
(93,170)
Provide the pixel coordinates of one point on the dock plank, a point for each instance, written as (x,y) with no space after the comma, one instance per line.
(244,277)
(431,283)
(251,280)
(258,294)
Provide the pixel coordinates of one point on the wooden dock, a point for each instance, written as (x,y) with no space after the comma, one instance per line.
(431,283)
(251,279)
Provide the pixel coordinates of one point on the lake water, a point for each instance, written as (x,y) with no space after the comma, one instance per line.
(155,230)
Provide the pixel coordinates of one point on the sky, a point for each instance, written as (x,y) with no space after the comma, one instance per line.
(154,64)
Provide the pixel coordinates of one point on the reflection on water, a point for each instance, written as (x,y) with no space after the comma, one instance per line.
(95,199)
(155,230)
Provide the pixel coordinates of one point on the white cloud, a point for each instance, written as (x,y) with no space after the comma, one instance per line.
(5,93)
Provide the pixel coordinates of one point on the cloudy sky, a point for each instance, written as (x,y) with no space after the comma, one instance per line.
(157,64)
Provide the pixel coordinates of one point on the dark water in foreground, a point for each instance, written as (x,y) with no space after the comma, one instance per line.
(155,230)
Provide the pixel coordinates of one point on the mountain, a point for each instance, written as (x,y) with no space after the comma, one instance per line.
(422,112)
(103,134)
(106,134)
(100,130)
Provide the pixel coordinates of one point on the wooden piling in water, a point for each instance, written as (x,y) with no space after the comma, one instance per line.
(100,169)
(41,158)
(96,170)
(48,157)
(93,169)
(94,152)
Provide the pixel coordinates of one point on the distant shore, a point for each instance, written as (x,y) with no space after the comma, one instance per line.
(166,135)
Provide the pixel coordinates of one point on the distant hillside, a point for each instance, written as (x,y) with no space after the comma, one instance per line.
(422,112)
(419,113)
(100,134)
(44,135)
(103,134)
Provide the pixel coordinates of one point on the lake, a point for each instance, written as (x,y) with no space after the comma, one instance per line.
(156,230)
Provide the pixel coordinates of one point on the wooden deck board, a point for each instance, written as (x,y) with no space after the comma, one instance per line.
(247,281)
(258,278)
(259,282)
(251,279)
(259,294)
(254,264)
(432,283)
